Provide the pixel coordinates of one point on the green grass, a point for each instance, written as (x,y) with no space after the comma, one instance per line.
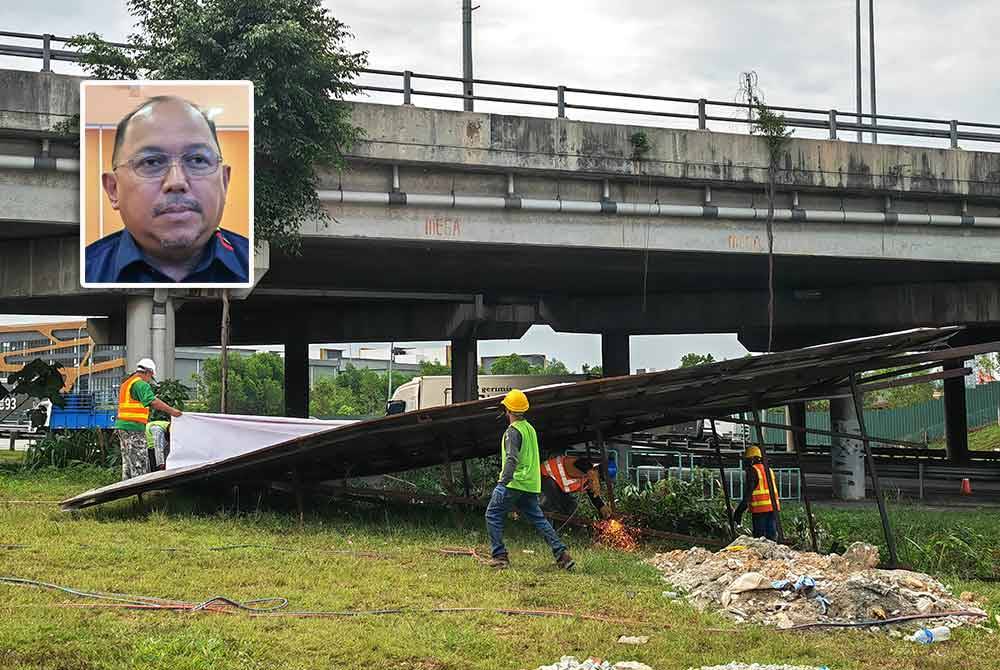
(986,438)
(166,550)
(8,457)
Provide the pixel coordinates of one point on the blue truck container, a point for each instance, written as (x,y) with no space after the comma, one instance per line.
(80,412)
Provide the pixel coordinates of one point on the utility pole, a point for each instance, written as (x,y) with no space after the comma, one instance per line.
(467,54)
(857,60)
(871,55)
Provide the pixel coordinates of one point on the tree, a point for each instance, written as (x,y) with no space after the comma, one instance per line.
(429,369)
(172,392)
(987,367)
(511,365)
(256,384)
(327,398)
(293,52)
(553,367)
(593,370)
(692,359)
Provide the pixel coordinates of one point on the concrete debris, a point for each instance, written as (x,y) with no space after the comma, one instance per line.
(759,666)
(756,580)
(637,639)
(571,663)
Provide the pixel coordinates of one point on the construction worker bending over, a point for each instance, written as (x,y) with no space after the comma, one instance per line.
(135,397)
(564,475)
(158,444)
(519,485)
(757,496)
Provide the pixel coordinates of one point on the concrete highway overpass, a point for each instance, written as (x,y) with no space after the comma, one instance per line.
(464,226)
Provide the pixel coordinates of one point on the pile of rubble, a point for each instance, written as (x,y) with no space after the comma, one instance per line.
(760,581)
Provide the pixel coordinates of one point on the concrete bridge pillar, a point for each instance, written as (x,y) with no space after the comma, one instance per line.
(615,359)
(464,369)
(296,376)
(150,333)
(847,455)
(795,415)
(956,420)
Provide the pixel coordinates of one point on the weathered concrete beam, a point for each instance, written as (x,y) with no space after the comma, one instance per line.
(675,233)
(407,134)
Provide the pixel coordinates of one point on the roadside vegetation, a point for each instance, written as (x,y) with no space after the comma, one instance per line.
(349,557)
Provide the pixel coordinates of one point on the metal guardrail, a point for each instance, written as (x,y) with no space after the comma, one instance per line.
(700,108)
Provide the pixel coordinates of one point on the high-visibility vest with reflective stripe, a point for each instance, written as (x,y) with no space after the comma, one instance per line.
(130,409)
(555,469)
(760,499)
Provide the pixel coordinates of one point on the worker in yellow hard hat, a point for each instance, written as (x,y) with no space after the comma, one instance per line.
(519,485)
(757,489)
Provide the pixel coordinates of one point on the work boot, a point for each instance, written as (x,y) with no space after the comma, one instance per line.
(565,561)
(500,562)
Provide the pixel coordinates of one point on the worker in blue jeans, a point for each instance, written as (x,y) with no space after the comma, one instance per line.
(519,485)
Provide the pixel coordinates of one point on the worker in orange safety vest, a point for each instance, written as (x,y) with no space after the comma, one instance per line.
(564,475)
(757,496)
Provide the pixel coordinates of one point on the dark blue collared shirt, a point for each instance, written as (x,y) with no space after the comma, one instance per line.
(117,259)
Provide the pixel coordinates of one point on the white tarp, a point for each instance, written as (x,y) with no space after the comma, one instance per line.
(197,438)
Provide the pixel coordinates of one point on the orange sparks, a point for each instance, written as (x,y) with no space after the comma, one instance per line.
(615,534)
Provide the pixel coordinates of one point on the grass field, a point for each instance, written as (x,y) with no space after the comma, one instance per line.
(365,558)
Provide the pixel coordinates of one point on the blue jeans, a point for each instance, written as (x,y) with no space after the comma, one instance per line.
(765,525)
(502,502)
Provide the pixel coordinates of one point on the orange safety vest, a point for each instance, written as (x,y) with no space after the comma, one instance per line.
(130,409)
(555,469)
(760,499)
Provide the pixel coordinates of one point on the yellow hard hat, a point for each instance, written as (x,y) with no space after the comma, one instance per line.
(515,401)
(752,452)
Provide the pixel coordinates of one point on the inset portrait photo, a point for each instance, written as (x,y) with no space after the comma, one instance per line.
(166,184)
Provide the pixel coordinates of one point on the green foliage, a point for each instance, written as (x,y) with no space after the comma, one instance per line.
(483,473)
(435,368)
(37,379)
(292,50)
(256,384)
(900,396)
(989,364)
(593,371)
(515,365)
(354,392)
(692,359)
(70,448)
(172,392)
(640,144)
(71,126)
(675,505)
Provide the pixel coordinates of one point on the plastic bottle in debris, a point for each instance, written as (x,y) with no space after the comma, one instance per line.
(930,635)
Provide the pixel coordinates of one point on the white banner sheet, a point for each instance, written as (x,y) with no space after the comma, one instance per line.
(196,438)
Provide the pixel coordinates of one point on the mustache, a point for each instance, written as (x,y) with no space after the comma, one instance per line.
(177,201)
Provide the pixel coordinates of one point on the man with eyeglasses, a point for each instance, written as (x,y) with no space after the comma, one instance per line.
(169,184)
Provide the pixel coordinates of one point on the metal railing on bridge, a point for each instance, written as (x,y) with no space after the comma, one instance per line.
(561,98)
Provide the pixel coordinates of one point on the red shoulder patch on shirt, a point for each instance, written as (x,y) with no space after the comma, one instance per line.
(224,241)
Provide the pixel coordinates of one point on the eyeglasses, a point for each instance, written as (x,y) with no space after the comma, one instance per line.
(156,165)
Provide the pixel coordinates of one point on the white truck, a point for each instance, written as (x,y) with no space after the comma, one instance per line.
(435,391)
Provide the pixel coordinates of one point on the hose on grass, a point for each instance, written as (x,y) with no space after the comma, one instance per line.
(278,610)
(153,602)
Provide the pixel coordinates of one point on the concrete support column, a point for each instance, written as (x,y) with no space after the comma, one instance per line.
(464,369)
(296,377)
(615,359)
(150,332)
(795,415)
(847,455)
(956,420)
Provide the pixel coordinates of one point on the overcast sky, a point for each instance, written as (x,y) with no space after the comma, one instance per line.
(935,59)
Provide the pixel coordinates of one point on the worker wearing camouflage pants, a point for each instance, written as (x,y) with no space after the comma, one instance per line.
(135,455)
(135,399)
